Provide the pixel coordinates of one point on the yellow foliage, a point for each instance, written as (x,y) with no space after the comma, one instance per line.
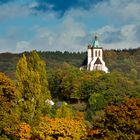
(61,128)
(7,87)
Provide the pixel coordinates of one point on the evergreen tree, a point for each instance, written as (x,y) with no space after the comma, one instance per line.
(33,86)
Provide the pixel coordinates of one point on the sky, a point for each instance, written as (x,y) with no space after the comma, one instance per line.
(68,25)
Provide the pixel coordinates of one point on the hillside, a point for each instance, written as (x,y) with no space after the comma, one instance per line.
(62,102)
(116,60)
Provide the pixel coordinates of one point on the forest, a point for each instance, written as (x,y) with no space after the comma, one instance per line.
(88,105)
(125,60)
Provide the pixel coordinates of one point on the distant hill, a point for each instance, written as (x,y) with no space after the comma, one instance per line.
(119,60)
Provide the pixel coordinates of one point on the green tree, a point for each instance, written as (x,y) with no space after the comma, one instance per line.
(110,88)
(33,86)
(65,111)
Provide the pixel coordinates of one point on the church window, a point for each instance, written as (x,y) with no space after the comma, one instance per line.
(95,53)
(99,53)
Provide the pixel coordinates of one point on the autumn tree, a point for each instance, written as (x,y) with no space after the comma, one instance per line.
(65,111)
(118,121)
(23,132)
(111,88)
(62,82)
(33,86)
(9,118)
(60,128)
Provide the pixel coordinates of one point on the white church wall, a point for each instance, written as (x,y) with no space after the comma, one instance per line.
(93,54)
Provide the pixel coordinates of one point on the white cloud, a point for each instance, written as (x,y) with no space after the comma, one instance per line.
(128,32)
(75,38)
(33,4)
(7,45)
(22,46)
(122,10)
(119,38)
(122,17)
(67,36)
(121,45)
(12,10)
(120,27)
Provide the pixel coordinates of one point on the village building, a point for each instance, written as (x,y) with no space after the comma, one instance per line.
(94,59)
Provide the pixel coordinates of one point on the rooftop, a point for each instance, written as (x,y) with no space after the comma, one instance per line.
(95,43)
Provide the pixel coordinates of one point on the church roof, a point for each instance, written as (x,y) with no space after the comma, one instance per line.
(98,61)
(96,43)
(84,63)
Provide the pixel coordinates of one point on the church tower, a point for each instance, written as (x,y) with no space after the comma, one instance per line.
(95,57)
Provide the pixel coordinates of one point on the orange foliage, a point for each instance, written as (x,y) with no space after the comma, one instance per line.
(119,121)
(23,132)
(80,116)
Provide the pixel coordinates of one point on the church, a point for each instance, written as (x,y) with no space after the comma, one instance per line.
(94,59)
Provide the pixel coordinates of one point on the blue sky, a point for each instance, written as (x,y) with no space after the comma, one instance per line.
(68,25)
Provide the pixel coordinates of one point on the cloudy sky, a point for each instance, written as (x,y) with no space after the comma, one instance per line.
(68,25)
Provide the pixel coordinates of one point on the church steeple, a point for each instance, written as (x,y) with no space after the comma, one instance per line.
(95,42)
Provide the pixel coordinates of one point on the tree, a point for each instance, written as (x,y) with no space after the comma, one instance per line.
(33,86)
(60,128)
(119,121)
(7,88)
(23,132)
(9,118)
(110,88)
(64,111)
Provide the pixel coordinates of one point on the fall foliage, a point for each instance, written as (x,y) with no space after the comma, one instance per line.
(9,118)
(118,121)
(33,87)
(94,105)
(60,128)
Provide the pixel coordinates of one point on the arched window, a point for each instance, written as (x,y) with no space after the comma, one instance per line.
(99,53)
(95,53)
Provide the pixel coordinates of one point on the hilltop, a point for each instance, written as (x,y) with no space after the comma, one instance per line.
(126,60)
